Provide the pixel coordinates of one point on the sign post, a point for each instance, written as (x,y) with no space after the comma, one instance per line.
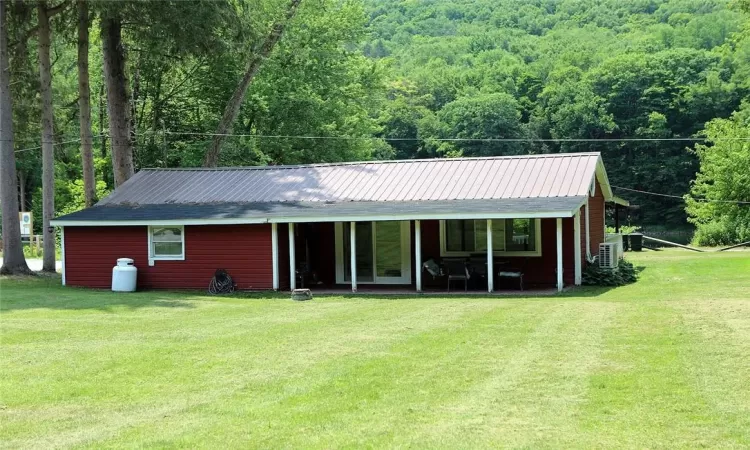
(27,223)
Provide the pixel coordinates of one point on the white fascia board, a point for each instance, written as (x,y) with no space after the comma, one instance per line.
(303,219)
(431,216)
(601,176)
(156,223)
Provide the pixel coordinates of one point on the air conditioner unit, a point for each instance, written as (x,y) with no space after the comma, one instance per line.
(608,255)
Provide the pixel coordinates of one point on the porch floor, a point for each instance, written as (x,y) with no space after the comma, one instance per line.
(320,290)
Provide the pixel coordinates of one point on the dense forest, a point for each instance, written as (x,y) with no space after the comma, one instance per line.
(656,86)
(549,69)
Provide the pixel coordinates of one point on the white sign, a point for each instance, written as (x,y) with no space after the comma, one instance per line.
(26,223)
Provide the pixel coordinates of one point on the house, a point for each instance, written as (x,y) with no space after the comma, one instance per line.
(346,224)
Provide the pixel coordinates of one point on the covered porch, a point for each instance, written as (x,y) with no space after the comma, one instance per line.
(534,255)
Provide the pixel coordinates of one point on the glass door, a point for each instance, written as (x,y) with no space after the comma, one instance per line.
(364,255)
(389,253)
(383,252)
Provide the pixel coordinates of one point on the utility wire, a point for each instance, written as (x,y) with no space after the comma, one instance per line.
(282,136)
(397,139)
(702,200)
(401,139)
(739,202)
(72,141)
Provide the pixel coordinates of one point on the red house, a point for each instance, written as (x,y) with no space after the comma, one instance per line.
(348,224)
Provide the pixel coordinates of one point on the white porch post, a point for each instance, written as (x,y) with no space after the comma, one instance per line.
(559,255)
(490,261)
(588,227)
(275,254)
(292,262)
(418,253)
(353,253)
(577,244)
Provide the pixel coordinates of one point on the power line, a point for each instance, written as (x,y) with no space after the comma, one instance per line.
(404,139)
(702,200)
(738,202)
(56,143)
(400,139)
(283,136)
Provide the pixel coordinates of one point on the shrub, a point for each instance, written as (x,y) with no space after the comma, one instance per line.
(725,231)
(624,273)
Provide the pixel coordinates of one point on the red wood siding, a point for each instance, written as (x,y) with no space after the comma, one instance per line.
(242,250)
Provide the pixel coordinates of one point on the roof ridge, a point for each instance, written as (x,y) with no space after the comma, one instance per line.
(361,163)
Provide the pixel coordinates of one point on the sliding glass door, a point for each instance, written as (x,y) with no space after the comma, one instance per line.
(382,252)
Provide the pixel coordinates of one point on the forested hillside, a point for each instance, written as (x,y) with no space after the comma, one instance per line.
(563,69)
(119,86)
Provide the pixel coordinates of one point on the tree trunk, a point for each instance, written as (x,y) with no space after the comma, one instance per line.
(102,138)
(22,189)
(84,104)
(232,109)
(48,148)
(118,105)
(13,260)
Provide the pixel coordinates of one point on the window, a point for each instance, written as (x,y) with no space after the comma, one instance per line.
(167,243)
(469,236)
(509,236)
(520,235)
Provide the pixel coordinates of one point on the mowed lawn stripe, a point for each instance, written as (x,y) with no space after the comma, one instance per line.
(532,391)
(162,373)
(718,358)
(399,383)
(645,393)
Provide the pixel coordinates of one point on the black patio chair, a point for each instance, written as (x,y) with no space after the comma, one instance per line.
(457,270)
(514,272)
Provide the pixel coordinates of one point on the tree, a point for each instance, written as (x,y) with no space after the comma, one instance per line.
(13,259)
(724,182)
(118,98)
(84,104)
(44,33)
(253,65)
(490,116)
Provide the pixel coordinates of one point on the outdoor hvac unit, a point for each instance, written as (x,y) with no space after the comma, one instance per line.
(608,255)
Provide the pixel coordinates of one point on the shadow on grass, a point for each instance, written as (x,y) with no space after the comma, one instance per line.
(45,292)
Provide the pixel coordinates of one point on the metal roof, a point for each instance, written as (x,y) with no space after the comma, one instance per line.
(369,185)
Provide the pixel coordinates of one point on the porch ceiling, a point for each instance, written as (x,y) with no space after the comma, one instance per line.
(263,212)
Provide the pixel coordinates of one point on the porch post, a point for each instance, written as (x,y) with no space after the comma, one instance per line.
(418,253)
(559,255)
(292,262)
(490,259)
(577,244)
(588,227)
(353,253)
(275,254)
(617,218)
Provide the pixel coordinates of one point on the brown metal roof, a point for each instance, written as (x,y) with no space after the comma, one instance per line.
(496,178)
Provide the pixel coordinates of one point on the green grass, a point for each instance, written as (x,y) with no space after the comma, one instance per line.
(661,363)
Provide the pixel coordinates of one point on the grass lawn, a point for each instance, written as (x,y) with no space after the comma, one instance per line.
(661,363)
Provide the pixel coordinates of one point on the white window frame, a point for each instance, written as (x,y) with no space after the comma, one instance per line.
(538,244)
(152,257)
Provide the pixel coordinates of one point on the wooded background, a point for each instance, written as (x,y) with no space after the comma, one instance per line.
(656,86)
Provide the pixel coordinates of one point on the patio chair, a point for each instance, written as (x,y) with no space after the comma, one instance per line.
(516,272)
(457,270)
